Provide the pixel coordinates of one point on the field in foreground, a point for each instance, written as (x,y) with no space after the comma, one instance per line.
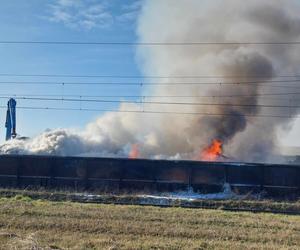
(28,224)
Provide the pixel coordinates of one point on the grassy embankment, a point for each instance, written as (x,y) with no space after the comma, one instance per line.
(37,224)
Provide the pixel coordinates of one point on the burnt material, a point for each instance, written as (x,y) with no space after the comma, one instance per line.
(114,175)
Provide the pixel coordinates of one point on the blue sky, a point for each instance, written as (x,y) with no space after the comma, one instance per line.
(65,20)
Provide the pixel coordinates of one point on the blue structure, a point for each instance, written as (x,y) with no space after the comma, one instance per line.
(10,123)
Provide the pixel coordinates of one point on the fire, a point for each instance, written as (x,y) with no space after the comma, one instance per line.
(213,151)
(134,152)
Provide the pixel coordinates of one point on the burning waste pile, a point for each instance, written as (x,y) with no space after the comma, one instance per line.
(212,152)
(234,118)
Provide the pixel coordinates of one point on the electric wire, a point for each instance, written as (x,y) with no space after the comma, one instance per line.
(118,76)
(154,112)
(129,43)
(154,102)
(237,83)
(287,94)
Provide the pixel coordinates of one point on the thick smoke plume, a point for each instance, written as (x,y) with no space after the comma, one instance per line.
(238,114)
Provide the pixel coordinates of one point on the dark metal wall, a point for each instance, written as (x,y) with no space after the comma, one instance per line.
(115,175)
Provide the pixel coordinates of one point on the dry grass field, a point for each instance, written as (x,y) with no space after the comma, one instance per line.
(28,224)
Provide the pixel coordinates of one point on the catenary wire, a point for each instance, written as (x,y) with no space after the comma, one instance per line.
(236,83)
(153,43)
(152,76)
(153,112)
(288,94)
(153,102)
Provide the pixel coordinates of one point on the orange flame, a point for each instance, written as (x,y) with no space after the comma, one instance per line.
(213,151)
(134,152)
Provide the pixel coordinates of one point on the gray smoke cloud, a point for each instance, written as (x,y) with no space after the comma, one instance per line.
(235,113)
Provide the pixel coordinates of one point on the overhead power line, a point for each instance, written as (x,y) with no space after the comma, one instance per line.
(289,95)
(153,76)
(153,112)
(155,102)
(236,83)
(179,43)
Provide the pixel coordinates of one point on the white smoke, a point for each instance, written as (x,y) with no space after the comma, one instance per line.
(246,136)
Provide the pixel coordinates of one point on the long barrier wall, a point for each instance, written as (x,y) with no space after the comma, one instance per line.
(114,175)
